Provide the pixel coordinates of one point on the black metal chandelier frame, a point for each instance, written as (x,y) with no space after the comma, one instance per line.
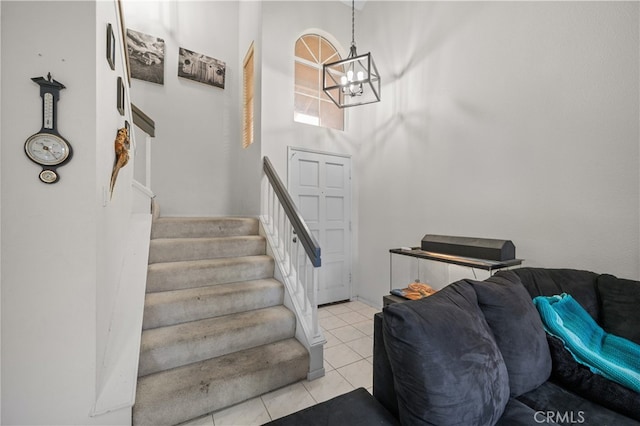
(352,81)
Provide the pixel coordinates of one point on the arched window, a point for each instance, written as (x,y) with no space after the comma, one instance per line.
(311,104)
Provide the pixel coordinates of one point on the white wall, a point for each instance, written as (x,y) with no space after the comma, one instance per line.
(112,215)
(514,120)
(247,169)
(48,293)
(61,246)
(280,32)
(497,120)
(0,226)
(197,125)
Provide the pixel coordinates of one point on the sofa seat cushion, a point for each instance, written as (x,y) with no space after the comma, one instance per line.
(579,379)
(447,367)
(567,408)
(518,414)
(620,312)
(547,282)
(518,330)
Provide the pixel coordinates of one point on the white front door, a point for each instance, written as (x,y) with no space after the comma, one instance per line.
(320,185)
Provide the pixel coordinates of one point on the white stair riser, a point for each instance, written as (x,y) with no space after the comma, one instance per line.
(180,249)
(175,307)
(170,347)
(190,274)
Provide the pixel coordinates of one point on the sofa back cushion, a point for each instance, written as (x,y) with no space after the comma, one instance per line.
(620,311)
(581,285)
(518,330)
(447,367)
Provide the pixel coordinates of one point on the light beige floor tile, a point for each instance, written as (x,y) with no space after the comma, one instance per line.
(365,327)
(347,333)
(363,346)
(352,317)
(332,322)
(329,386)
(341,355)
(332,340)
(370,359)
(356,305)
(201,421)
(287,400)
(370,390)
(327,366)
(323,313)
(368,312)
(337,309)
(248,413)
(359,374)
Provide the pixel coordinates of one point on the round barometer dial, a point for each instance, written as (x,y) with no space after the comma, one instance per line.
(47,149)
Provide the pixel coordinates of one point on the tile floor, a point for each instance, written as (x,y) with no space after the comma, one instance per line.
(348,364)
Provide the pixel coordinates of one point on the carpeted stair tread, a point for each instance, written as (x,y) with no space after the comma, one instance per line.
(180,249)
(164,348)
(187,392)
(178,306)
(193,227)
(199,273)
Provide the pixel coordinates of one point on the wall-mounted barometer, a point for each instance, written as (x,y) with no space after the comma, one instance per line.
(48,148)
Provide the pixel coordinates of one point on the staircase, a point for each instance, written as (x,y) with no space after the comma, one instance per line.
(215,331)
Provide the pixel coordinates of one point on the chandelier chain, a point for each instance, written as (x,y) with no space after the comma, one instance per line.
(353,23)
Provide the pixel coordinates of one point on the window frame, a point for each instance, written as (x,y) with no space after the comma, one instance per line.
(248,97)
(321,117)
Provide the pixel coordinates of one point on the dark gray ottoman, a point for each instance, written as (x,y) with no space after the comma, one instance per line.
(356,408)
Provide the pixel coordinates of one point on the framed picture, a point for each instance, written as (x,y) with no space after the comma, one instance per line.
(111,47)
(201,68)
(120,96)
(146,56)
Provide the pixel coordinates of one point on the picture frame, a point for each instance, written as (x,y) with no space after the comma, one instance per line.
(120,96)
(201,68)
(146,54)
(111,47)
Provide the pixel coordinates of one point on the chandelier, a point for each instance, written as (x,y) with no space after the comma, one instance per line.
(354,80)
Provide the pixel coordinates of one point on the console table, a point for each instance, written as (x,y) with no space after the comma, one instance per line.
(418,255)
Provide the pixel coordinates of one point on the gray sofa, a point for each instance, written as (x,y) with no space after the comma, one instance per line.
(476,353)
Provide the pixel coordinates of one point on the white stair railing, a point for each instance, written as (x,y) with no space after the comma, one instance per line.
(297,255)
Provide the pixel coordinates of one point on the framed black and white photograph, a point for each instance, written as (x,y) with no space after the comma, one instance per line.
(201,68)
(111,47)
(120,96)
(146,56)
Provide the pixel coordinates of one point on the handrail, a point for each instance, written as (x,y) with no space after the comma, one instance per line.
(143,121)
(309,243)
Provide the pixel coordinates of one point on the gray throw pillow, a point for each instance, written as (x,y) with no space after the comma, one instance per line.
(447,367)
(518,330)
(620,312)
